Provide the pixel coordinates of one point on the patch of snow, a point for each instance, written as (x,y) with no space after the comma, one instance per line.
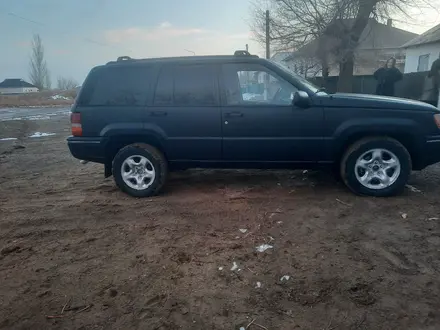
(404,215)
(37,118)
(264,247)
(234,266)
(305,171)
(242,328)
(258,285)
(220,268)
(59,97)
(432,219)
(413,189)
(284,278)
(279,222)
(243,230)
(252,97)
(8,139)
(39,134)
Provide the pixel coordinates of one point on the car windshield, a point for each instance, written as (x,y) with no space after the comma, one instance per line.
(303,80)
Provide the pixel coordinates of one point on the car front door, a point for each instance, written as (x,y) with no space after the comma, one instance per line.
(260,122)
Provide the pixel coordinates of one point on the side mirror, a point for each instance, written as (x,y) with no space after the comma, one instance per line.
(301,99)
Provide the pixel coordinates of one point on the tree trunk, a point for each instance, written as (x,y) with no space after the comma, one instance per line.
(350,42)
(346,66)
(325,73)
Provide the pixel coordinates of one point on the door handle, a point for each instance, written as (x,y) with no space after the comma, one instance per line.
(158,113)
(234,114)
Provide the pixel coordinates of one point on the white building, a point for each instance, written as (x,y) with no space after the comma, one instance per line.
(16,86)
(422,51)
(377,43)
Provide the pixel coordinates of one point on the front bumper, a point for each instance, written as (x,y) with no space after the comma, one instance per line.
(85,148)
(432,150)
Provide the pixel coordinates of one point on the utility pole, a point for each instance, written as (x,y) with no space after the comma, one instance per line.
(267,35)
(266,75)
(247,72)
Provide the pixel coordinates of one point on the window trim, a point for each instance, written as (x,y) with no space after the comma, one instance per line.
(224,100)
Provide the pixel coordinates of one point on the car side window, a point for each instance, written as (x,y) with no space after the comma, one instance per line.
(255,84)
(186,85)
(164,87)
(119,86)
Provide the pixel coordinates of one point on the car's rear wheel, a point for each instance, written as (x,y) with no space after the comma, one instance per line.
(140,170)
(376,166)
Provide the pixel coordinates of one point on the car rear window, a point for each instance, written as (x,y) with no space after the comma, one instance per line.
(116,86)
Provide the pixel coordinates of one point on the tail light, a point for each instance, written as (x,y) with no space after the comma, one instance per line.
(75,120)
(437,119)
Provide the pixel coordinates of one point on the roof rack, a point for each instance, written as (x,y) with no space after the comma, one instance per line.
(129,60)
(242,53)
(123,58)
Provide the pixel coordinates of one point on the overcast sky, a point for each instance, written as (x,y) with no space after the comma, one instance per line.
(79,34)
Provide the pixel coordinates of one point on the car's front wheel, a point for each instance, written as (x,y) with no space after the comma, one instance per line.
(140,170)
(376,166)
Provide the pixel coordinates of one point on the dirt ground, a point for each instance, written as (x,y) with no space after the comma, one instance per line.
(76,253)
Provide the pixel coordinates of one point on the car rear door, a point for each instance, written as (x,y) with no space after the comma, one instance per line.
(186,108)
(260,123)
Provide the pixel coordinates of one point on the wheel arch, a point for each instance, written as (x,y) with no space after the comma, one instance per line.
(408,135)
(117,142)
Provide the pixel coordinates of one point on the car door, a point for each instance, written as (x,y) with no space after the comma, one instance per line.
(186,107)
(259,121)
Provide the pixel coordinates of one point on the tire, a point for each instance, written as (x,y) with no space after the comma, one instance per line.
(357,157)
(146,170)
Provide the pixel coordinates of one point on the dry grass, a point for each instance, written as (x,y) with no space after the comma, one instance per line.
(37,99)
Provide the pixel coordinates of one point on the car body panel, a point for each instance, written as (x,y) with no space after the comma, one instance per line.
(272,133)
(355,101)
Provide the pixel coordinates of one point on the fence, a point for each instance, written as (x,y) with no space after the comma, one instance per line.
(412,86)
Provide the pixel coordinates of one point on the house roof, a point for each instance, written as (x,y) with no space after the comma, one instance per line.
(375,36)
(430,36)
(15,83)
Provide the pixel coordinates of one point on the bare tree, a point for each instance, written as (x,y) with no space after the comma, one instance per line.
(38,71)
(330,28)
(64,83)
(48,81)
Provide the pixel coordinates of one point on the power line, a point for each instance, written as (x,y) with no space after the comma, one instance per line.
(25,19)
(84,39)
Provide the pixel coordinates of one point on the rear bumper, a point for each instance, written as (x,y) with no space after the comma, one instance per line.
(90,149)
